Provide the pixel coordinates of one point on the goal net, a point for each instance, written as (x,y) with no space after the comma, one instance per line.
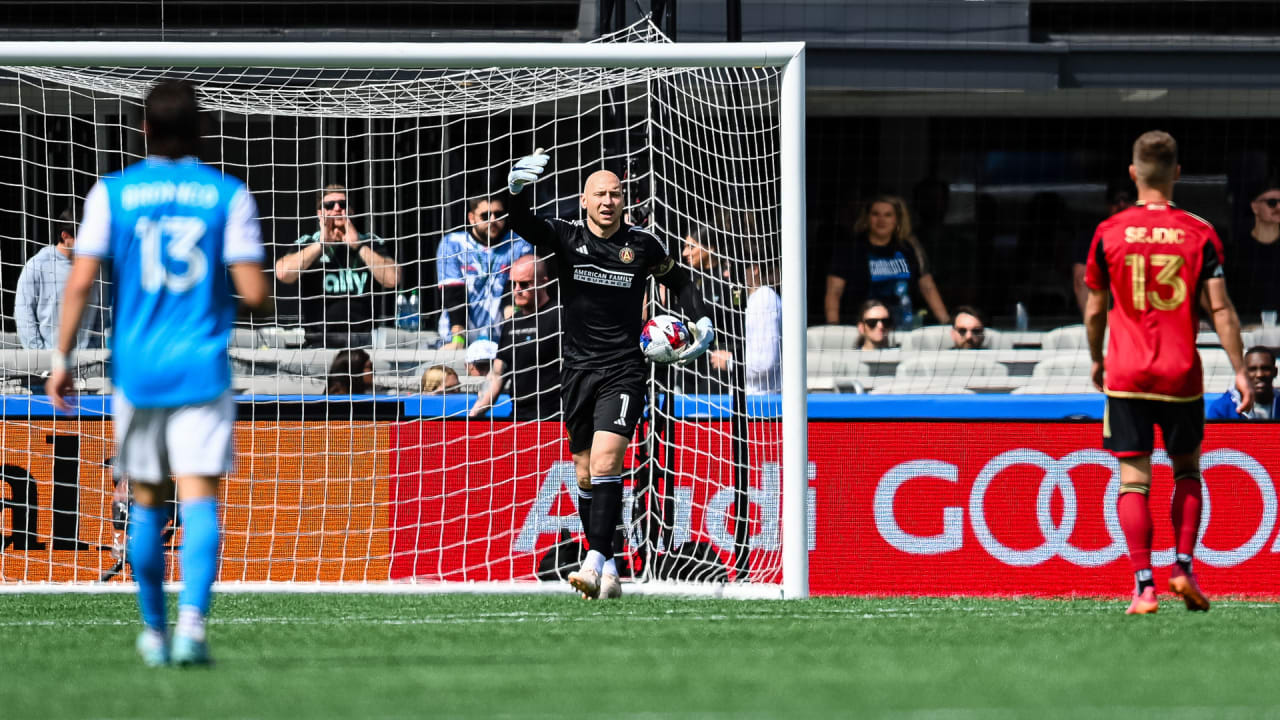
(362,456)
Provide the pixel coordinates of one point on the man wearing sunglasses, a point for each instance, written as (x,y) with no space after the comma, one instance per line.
(968,331)
(338,271)
(1254,266)
(473,266)
(528,361)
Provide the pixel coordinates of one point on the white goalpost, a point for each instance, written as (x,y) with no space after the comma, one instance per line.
(348,480)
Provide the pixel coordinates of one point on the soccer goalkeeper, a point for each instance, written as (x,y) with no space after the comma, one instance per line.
(602,266)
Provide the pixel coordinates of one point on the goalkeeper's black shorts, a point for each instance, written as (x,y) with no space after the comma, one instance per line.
(610,400)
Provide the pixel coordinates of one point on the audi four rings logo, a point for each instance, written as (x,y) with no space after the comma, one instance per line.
(1057,534)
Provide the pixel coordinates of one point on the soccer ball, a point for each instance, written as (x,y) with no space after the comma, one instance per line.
(663,337)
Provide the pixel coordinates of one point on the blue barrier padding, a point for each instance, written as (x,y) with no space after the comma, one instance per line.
(955,407)
(694,407)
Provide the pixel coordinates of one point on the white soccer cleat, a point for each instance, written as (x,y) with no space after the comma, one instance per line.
(610,587)
(586,582)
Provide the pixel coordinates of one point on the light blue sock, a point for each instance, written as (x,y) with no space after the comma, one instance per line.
(199,553)
(146,557)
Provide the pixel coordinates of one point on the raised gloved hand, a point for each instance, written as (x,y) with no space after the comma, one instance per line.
(526,170)
(703,336)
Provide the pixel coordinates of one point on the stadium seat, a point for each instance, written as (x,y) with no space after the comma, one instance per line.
(961,364)
(922,385)
(10,341)
(938,337)
(1067,337)
(833,337)
(836,363)
(1065,364)
(277,385)
(1270,337)
(1215,362)
(310,362)
(267,337)
(386,337)
(19,363)
(1056,385)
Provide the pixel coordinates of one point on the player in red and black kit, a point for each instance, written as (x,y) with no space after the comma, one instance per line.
(603,268)
(1158,263)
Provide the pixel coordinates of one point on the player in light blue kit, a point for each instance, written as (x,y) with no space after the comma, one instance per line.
(179,234)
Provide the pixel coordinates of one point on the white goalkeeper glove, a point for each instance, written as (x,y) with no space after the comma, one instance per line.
(526,170)
(703,336)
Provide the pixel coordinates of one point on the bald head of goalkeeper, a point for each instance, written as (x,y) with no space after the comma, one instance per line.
(602,199)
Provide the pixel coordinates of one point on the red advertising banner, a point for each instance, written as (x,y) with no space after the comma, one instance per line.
(478,501)
(974,508)
(1024,508)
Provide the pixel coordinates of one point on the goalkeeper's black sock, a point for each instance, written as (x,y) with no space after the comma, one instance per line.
(606,508)
(584,512)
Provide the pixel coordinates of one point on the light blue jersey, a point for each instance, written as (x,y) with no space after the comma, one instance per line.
(171,228)
(484,269)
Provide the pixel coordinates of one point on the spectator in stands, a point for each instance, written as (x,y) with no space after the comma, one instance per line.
(883,262)
(337,270)
(762,355)
(439,379)
(1254,265)
(480,357)
(38,302)
(702,255)
(473,266)
(968,330)
(1260,367)
(874,325)
(351,373)
(1120,195)
(528,363)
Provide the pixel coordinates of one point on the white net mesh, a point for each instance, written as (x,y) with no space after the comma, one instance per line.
(359,457)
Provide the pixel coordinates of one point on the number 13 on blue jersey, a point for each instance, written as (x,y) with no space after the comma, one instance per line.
(170,241)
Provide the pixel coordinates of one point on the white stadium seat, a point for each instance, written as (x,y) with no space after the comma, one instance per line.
(832,337)
(1065,364)
(953,363)
(836,363)
(1057,385)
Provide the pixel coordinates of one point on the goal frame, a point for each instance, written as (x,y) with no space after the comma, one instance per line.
(790,56)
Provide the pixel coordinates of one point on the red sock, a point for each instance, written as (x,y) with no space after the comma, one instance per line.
(1185,512)
(1135,520)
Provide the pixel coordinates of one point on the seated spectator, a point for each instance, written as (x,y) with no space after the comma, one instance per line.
(351,373)
(439,379)
(528,361)
(885,263)
(762,356)
(473,266)
(874,324)
(968,330)
(1253,266)
(1260,366)
(336,270)
(701,255)
(480,357)
(37,305)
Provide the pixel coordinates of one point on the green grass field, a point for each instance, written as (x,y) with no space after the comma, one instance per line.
(358,656)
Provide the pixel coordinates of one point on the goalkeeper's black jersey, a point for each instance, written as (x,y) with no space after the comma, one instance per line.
(602,283)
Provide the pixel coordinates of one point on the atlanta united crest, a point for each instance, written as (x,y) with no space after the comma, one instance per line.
(626,254)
